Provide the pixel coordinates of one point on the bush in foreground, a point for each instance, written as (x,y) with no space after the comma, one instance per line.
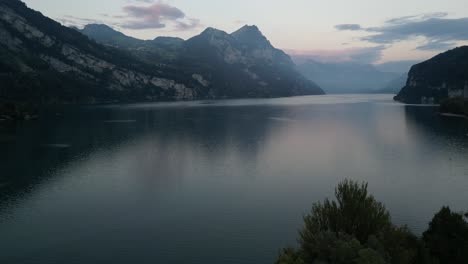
(447,237)
(355,228)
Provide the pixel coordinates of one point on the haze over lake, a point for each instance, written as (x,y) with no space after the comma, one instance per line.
(215,181)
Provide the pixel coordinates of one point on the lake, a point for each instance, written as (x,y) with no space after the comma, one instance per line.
(214,181)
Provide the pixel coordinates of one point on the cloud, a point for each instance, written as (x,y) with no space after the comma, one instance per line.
(439,32)
(437,45)
(191,24)
(351,27)
(157,15)
(363,55)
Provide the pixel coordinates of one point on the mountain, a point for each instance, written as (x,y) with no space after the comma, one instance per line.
(241,64)
(347,77)
(108,36)
(161,50)
(444,76)
(44,62)
(395,85)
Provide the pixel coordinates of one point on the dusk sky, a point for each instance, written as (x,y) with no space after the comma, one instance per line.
(365,31)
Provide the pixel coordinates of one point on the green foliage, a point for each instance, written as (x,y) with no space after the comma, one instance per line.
(355,228)
(447,237)
(369,256)
(354,212)
(289,256)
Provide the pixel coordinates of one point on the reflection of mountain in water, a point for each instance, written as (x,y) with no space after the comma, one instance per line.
(154,138)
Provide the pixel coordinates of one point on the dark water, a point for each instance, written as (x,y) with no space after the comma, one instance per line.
(214,182)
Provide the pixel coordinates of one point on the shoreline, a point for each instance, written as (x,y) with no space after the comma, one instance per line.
(453,115)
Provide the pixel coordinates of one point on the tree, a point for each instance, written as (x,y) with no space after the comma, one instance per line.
(354,212)
(289,256)
(354,228)
(447,237)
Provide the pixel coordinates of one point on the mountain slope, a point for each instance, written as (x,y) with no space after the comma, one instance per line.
(43,61)
(444,76)
(244,63)
(161,50)
(108,36)
(241,64)
(346,77)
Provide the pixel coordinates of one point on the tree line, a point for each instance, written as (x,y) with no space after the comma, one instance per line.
(356,229)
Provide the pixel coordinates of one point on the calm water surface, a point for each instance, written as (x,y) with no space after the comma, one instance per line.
(214,182)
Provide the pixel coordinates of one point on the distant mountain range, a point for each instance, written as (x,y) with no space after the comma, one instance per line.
(349,77)
(43,61)
(442,77)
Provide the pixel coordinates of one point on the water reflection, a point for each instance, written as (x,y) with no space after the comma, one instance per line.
(229,180)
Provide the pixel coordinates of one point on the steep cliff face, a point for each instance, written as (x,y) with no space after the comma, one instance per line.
(40,60)
(442,77)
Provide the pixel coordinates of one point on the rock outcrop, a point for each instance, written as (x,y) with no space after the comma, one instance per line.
(443,77)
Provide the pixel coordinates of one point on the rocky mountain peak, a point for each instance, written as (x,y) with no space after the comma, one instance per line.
(251,36)
(213,32)
(100,28)
(249,28)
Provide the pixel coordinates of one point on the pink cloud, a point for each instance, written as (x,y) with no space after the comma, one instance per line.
(156,16)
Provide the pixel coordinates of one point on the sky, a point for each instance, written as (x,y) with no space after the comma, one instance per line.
(362,31)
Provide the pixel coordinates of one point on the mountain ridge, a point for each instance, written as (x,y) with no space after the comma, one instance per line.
(43,61)
(442,77)
(241,63)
